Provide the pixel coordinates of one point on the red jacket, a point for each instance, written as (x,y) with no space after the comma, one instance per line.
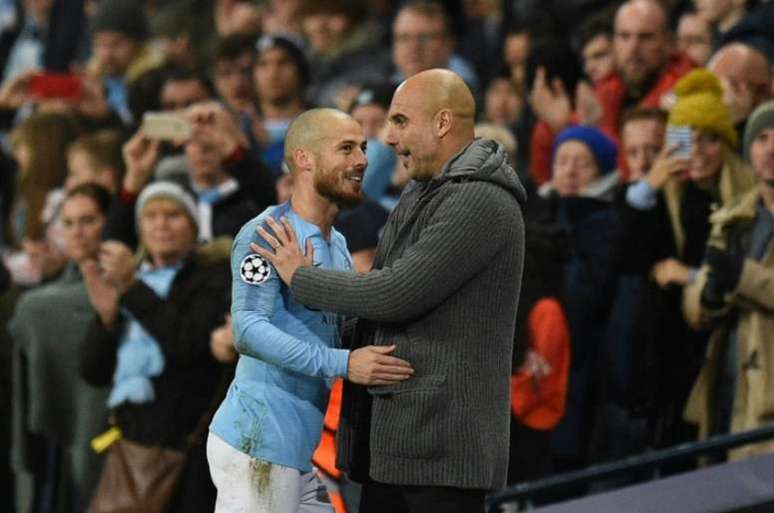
(612,91)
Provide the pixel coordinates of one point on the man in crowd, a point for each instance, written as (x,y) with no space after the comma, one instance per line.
(645,67)
(281,75)
(422,40)
(444,287)
(119,29)
(263,435)
(733,295)
(745,74)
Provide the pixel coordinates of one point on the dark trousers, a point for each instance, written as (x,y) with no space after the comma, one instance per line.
(386,498)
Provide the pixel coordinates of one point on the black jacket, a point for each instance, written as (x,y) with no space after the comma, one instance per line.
(181,324)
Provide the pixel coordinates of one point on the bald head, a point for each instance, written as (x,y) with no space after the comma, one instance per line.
(641,42)
(440,89)
(737,63)
(310,130)
(431,119)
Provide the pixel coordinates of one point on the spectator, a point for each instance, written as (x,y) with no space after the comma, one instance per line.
(281,74)
(422,39)
(502,102)
(515,50)
(219,170)
(96,158)
(55,413)
(370,110)
(118,34)
(642,138)
(233,73)
(733,296)
(182,87)
(150,338)
(596,43)
(694,38)
(721,15)
(674,227)
(746,76)
(645,66)
(23,50)
(344,47)
(40,147)
(580,195)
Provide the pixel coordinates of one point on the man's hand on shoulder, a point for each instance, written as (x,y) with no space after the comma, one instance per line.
(372,365)
(286,257)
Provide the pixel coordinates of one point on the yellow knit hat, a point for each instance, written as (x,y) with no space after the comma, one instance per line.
(700,105)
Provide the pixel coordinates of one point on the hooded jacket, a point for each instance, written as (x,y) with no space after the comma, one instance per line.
(444,289)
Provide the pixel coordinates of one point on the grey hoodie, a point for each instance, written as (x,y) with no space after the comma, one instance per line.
(444,288)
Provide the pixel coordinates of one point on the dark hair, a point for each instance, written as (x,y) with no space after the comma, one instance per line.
(183,74)
(595,26)
(641,113)
(99,194)
(232,47)
(559,60)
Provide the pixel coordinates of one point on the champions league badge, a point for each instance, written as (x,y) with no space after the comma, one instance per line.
(254,270)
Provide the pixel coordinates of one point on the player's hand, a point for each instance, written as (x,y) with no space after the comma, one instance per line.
(373,365)
(286,257)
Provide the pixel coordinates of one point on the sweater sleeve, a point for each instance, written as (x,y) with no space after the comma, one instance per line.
(458,240)
(257,332)
(97,354)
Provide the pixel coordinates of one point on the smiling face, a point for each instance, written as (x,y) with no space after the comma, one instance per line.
(166,231)
(707,157)
(339,163)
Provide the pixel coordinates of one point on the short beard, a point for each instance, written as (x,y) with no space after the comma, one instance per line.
(328,190)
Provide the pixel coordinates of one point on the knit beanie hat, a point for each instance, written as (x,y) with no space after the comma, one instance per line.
(124,16)
(761,119)
(170,191)
(602,147)
(270,42)
(700,105)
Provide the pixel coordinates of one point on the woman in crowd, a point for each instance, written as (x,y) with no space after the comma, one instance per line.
(671,208)
(53,408)
(150,340)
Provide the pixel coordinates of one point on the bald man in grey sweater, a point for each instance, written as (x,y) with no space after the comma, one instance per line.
(444,291)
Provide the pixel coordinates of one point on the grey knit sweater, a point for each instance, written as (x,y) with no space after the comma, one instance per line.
(444,288)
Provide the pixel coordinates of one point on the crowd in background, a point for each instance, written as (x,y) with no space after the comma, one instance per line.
(643,131)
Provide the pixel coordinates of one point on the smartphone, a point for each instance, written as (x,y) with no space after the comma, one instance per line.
(166,126)
(682,137)
(62,86)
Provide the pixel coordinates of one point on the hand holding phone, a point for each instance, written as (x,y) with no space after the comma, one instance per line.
(166,126)
(56,86)
(680,137)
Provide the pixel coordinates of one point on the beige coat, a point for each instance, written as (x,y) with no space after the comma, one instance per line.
(753,302)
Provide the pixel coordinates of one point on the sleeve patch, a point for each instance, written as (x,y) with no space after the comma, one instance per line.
(254,269)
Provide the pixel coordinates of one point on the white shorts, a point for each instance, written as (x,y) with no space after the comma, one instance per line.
(250,485)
